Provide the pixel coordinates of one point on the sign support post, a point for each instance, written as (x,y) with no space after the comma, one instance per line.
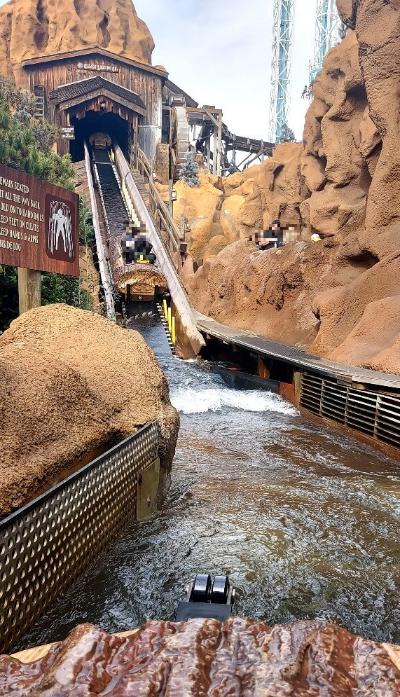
(29,289)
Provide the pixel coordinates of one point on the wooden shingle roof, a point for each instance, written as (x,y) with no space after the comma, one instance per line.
(81,88)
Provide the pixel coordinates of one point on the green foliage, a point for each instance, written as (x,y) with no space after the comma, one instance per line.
(8,296)
(64,289)
(25,143)
(287,135)
(189,171)
(86,229)
(16,98)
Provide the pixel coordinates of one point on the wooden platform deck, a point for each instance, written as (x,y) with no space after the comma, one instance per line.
(295,356)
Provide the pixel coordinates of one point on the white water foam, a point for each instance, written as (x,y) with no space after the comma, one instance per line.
(191,401)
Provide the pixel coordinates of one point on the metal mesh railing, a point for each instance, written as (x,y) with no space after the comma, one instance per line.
(48,543)
(374,414)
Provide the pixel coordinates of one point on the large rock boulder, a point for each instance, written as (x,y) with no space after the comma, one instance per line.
(200,206)
(375,340)
(33,28)
(270,292)
(71,384)
(282,186)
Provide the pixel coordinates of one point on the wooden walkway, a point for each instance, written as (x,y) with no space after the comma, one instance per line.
(295,356)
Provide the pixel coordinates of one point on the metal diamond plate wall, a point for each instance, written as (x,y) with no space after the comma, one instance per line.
(47,544)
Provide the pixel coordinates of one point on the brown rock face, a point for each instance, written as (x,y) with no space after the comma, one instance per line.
(200,206)
(377,26)
(350,324)
(320,185)
(334,168)
(270,292)
(70,383)
(32,28)
(282,186)
(375,339)
(204,658)
(343,182)
(220,214)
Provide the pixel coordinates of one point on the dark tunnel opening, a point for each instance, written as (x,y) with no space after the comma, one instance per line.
(98,122)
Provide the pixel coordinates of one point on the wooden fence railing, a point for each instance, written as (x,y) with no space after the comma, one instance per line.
(159,209)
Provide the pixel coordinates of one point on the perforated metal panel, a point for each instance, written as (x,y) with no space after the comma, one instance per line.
(374,414)
(47,544)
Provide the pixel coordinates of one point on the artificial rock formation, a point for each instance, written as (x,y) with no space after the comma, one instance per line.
(72,383)
(33,28)
(204,658)
(377,26)
(221,212)
(342,182)
(320,185)
(335,170)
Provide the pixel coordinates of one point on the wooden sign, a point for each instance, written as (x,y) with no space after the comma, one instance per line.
(39,227)
(98,68)
(67,132)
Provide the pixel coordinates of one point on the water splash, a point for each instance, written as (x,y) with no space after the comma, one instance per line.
(192,401)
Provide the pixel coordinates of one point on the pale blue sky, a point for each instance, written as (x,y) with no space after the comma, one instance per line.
(219,51)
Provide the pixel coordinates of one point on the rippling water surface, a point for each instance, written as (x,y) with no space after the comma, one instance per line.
(304,519)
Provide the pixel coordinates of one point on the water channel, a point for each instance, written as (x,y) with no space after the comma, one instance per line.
(304,519)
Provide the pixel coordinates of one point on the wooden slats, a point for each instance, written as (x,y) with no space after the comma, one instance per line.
(372,413)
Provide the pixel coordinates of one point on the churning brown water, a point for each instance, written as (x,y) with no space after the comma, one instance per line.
(304,519)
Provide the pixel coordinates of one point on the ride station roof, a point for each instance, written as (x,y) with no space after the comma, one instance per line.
(86,87)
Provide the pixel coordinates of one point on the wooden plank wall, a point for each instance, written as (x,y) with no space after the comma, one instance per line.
(147,85)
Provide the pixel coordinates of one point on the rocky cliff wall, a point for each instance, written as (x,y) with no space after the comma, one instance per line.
(335,297)
(33,28)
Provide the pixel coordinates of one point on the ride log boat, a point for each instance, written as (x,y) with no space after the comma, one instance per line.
(141,282)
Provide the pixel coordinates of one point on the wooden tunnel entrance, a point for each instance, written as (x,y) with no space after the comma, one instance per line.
(96,105)
(111,124)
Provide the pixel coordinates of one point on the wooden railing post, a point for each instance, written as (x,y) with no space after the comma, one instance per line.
(29,289)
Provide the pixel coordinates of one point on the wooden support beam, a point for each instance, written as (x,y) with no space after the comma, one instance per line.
(209,152)
(219,146)
(212,118)
(29,289)
(215,153)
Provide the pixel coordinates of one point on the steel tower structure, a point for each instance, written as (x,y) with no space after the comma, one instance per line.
(329,31)
(281,67)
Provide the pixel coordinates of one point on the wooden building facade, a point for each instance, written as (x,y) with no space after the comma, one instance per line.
(93,90)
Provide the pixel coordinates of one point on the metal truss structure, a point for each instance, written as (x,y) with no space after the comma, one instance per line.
(281,67)
(329,31)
